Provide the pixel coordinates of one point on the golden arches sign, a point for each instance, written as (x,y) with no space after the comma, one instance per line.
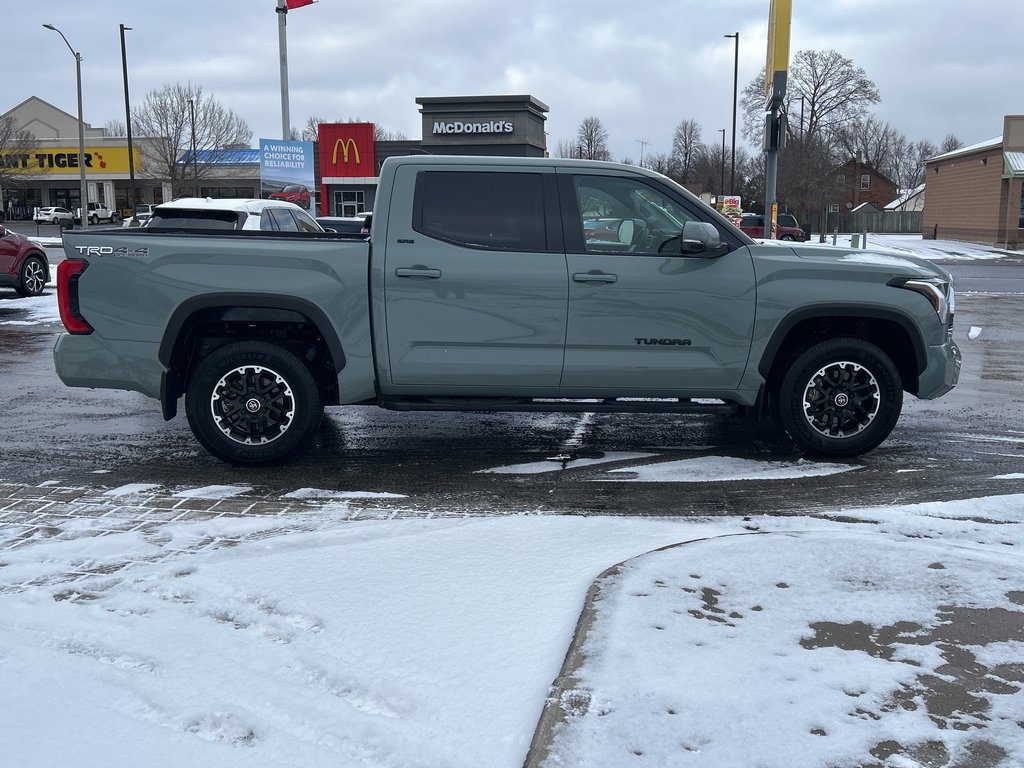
(346,146)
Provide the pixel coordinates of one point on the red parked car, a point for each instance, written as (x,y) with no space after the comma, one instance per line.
(788,228)
(23,265)
(293,193)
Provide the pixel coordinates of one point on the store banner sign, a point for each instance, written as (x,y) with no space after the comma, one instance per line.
(64,160)
(287,171)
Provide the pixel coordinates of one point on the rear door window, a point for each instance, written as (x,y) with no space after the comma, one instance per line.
(180,218)
(476,209)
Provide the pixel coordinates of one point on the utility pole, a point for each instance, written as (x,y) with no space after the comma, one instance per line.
(643,143)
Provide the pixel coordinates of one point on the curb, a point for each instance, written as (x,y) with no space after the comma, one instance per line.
(565,698)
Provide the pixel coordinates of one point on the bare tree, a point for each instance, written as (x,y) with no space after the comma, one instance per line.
(871,140)
(908,162)
(115,128)
(169,117)
(950,143)
(709,165)
(660,162)
(686,145)
(567,148)
(592,140)
(311,129)
(825,92)
(16,161)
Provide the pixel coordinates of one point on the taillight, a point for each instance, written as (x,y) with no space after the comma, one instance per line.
(68,273)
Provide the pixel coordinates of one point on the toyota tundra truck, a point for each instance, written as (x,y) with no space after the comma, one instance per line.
(520,284)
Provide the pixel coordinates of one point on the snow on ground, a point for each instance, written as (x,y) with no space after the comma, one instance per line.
(268,641)
(916,245)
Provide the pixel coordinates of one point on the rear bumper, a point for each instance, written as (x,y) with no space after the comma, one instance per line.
(90,361)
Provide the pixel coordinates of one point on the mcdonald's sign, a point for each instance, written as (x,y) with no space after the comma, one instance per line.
(346,150)
(346,146)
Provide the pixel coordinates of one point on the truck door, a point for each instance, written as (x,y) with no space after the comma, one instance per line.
(642,318)
(475,280)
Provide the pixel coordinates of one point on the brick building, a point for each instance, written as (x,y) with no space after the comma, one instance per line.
(975,193)
(857,183)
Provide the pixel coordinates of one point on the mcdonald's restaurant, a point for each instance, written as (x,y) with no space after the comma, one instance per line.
(350,157)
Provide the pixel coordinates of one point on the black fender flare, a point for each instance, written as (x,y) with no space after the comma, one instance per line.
(866,311)
(270,307)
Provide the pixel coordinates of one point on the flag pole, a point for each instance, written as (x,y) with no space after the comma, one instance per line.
(282,37)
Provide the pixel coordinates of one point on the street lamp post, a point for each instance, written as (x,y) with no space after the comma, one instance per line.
(722,131)
(735,94)
(128,124)
(84,201)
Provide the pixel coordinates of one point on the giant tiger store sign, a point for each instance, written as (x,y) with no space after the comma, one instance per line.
(62,160)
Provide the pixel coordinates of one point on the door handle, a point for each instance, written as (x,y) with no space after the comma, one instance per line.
(594,277)
(423,272)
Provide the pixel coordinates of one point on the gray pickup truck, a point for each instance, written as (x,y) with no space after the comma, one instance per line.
(505,284)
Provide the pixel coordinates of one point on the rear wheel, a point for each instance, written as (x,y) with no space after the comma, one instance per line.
(252,403)
(32,277)
(839,398)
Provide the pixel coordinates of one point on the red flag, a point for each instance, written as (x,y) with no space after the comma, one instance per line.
(293,4)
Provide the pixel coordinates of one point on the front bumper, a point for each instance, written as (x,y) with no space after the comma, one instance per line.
(942,371)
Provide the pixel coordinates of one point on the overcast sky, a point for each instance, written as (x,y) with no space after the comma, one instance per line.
(641,67)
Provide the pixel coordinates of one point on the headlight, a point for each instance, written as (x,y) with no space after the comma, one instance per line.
(939,292)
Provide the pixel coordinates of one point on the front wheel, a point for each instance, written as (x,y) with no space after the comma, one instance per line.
(32,277)
(839,398)
(252,403)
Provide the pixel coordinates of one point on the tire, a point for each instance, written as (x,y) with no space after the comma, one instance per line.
(252,403)
(113,218)
(787,237)
(32,277)
(840,397)
(94,219)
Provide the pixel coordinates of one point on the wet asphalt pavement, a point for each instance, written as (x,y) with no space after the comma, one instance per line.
(969,443)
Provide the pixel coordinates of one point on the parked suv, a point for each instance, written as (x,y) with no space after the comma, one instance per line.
(98,212)
(231,213)
(787,226)
(23,265)
(293,193)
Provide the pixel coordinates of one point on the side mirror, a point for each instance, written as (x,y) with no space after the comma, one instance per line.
(699,237)
(626,230)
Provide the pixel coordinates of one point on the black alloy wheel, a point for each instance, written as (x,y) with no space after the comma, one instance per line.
(840,398)
(252,403)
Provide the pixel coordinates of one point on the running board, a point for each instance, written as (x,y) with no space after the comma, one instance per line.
(608,405)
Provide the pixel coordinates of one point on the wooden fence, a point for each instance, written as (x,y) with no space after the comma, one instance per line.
(891,223)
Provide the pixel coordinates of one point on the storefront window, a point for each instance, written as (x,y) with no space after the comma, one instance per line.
(1020,224)
(19,204)
(226,192)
